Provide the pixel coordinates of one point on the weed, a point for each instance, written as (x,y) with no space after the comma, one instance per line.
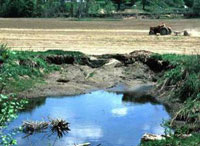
(20,70)
(91,74)
(184,78)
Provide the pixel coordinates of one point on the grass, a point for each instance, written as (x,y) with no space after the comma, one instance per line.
(19,71)
(194,140)
(23,84)
(22,69)
(184,81)
(185,76)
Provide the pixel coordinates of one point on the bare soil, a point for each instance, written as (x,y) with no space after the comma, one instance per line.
(73,79)
(98,37)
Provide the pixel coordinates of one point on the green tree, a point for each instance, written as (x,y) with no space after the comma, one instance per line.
(51,8)
(196,7)
(144,3)
(62,6)
(179,3)
(39,8)
(29,8)
(14,8)
(109,7)
(80,9)
(93,7)
(174,3)
(189,3)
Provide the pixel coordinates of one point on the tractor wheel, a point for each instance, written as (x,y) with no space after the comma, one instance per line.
(151,32)
(169,30)
(164,31)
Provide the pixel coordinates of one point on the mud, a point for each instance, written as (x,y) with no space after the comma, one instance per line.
(89,73)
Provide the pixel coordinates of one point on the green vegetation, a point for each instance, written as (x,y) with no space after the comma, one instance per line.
(55,8)
(20,70)
(15,67)
(184,77)
(95,8)
(184,82)
(196,7)
(194,140)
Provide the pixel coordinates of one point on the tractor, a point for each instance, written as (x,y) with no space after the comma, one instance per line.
(162,29)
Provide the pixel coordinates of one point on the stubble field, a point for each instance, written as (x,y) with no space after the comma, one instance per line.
(98,37)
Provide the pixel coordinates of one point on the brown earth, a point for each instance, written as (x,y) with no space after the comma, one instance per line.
(131,71)
(98,37)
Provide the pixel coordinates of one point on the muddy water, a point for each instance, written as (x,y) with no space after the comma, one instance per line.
(101,118)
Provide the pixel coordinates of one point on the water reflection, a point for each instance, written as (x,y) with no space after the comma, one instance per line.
(34,103)
(129,97)
(99,117)
(120,111)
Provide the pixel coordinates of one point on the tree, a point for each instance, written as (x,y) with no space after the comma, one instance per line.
(62,5)
(118,2)
(15,8)
(189,3)
(196,7)
(144,2)
(109,7)
(80,9)
(179,3)
(29,8)
(39,8)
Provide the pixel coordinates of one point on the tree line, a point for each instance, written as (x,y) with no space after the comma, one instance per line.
(54,8)
(83,8)
(192,6)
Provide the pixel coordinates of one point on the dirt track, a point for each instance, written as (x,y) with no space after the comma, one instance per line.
(98,37)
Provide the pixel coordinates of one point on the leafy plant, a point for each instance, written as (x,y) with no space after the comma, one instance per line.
(16,69)
(19,71)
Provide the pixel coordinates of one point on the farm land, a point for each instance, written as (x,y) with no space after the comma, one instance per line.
(98,37)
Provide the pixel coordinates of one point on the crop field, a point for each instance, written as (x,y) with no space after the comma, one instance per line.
(98,37)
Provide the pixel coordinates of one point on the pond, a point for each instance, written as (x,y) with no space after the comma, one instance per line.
(100,118)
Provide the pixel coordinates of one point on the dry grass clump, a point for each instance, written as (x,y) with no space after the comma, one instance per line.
(58,126)
(30,127)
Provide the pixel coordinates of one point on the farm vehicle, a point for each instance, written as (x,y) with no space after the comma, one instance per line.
(160,29)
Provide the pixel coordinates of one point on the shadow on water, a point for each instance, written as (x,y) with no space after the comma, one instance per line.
(139,95)
(33,104)
(129,97)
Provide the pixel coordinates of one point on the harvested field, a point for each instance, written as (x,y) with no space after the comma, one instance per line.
(98,37)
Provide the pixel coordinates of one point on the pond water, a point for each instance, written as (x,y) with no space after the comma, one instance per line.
(100,118)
